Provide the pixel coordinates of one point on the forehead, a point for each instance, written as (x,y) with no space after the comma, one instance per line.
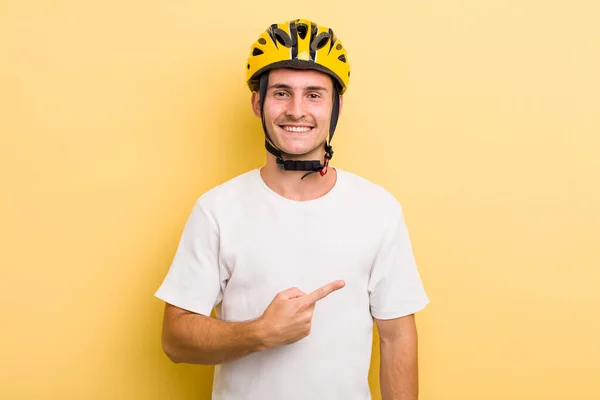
(300,78)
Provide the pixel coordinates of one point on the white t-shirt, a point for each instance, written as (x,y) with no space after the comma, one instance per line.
(243,243)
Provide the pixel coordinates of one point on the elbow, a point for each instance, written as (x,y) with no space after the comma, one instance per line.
(172,339)
(170,352)
(180,355)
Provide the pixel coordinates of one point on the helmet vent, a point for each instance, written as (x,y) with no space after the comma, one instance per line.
(320,41)
(282,37)
(257,51)
(332,41)
(342,58)
(302,31)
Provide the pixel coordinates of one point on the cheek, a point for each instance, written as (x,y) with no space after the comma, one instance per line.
(322,117)
(272,113)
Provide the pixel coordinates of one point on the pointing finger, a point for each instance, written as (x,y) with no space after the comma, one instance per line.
(324,291)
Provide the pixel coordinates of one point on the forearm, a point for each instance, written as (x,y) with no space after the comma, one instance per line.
(399,369)
(198,339)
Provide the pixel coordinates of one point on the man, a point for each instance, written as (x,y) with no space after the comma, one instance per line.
(297,258)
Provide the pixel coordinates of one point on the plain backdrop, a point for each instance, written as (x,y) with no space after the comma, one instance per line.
(481,117)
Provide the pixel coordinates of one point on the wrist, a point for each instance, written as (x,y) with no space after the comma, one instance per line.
(259,335)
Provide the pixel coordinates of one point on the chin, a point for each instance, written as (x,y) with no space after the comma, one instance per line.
(302,152)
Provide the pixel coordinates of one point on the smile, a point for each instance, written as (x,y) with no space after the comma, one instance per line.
(299,129)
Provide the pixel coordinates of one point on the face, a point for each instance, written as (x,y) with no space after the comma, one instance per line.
(297,111)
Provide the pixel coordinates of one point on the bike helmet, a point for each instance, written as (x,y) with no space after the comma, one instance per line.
(299,44)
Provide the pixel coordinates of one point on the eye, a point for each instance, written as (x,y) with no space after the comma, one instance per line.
(280,94)
(314,96)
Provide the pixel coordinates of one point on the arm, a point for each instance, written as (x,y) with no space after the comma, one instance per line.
(197,339)
(399,367)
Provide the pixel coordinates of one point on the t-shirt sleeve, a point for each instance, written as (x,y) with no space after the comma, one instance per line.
(395,286)
(194,280)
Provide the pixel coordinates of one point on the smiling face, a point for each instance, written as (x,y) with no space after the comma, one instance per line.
(297,111)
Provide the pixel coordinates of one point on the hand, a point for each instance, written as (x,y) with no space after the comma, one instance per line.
(288,317)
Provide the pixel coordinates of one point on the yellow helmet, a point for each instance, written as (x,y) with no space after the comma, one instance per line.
(298,44)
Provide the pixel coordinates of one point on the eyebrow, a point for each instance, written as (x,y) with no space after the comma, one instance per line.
(288,87)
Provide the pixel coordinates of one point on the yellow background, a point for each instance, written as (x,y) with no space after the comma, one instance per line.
(481,117)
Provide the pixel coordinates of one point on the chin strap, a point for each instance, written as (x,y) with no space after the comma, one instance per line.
(300,165)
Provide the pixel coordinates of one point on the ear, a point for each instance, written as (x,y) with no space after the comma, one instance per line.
(341,105)
(255,99)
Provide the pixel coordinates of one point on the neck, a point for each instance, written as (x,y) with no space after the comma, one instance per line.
(289,184)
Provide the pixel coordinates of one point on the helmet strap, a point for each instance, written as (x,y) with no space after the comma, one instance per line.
(299,165)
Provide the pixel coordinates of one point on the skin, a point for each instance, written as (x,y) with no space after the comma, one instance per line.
(297,98)
(197,339)
(294,98)
(399,368)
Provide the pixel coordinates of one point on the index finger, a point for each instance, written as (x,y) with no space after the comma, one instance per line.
(324,291)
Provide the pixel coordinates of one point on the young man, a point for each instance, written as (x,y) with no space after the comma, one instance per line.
(297,258)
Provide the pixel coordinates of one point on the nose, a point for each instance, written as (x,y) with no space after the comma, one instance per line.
(296,108)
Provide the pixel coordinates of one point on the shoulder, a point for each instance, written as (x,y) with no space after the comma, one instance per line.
(368,193)
(229,192)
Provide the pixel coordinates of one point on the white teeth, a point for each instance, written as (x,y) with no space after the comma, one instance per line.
(297,128)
